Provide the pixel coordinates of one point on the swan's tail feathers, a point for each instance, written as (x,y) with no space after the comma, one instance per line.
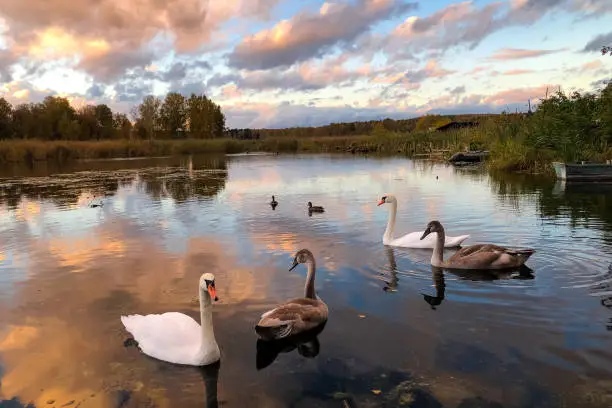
(273,332)
(462,238)
(456,241)
(130,322)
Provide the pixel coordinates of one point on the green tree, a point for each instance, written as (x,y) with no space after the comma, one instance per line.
(206,119)
(89,128)
(173,114)
(6,119)
(148,115)
(196,116)
(218,122)
(104,116)
(57,118)
(604,115)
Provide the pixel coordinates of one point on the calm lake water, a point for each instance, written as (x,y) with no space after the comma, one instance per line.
(399,331)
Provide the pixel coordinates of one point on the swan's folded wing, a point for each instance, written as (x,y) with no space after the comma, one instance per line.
(287,319)
(478,248)
(165,330)
(482,257)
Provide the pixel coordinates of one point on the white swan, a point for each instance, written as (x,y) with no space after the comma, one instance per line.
(175,337)
(413,239)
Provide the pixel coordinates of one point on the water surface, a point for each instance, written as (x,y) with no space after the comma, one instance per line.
(534,338)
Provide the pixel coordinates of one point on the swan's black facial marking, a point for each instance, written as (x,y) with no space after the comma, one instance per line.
(210,286)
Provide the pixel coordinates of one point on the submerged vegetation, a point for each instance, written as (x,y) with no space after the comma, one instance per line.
(568,127)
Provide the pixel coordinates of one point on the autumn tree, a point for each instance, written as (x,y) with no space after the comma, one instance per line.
(104,117)
(148,115)
(206,120)
(6,118)
(122,126)
(173,114)
(58,118)
(88,123)
(55,119)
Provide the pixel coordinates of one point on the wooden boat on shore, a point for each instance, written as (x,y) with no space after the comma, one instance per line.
(583,171)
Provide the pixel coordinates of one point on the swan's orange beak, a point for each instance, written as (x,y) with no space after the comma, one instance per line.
(381,202)
(212,292)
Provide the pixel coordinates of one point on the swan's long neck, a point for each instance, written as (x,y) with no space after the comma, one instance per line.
(388,236)
(309,289)
(206,322)
(437,258)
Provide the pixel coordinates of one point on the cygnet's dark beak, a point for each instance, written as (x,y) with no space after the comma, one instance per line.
(294,264)
(426,233)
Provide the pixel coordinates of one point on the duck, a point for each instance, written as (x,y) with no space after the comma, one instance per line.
(479,256)
(412,239)
(175,337)
(273,203)
(315,208)
(296,315)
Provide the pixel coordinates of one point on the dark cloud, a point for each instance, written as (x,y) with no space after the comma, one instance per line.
(108,67)
(132,91)
(457,90)
(601,83)
(596,43)
(309,35)
(177,72)
(188,88)
(95,91)
(7,59)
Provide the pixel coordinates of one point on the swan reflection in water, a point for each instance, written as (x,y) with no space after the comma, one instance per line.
(306,343)
(437,275)
(210,377)
(393,282)
(209,374)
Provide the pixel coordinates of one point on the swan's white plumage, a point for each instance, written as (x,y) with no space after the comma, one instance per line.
(412,239)
(172,336)
(175,337)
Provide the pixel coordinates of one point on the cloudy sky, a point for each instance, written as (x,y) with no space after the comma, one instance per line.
(276,63)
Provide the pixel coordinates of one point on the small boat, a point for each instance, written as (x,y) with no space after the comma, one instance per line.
(584,171)
(474,156)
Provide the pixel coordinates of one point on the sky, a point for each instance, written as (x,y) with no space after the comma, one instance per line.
(282,63)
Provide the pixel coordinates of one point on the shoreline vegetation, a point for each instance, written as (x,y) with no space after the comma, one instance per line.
(567,127)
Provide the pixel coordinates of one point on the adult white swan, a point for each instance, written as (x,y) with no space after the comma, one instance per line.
(413,239)
(175,337)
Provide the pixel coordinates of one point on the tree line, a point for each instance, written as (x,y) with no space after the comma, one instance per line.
(55,118)
(419,124)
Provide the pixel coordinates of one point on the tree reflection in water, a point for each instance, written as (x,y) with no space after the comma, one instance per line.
(181,180)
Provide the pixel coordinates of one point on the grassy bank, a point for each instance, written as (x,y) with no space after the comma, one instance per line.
(12,151)
(35,150)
